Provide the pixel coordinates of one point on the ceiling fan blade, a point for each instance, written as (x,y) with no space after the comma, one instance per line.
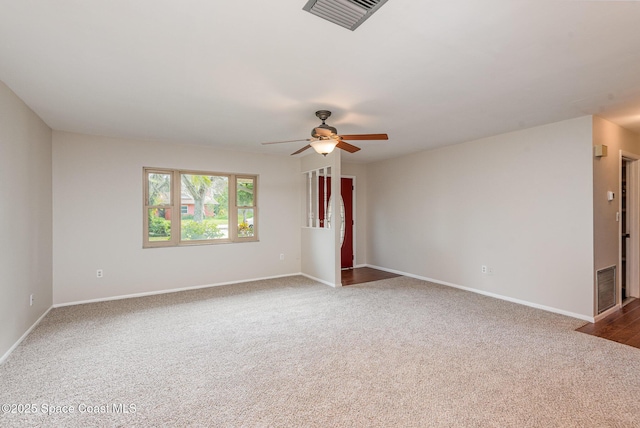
(347,147)
(288,141)
(308,146)
(365,137)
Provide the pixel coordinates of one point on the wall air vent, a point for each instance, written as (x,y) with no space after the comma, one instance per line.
(346,13)
(606,288)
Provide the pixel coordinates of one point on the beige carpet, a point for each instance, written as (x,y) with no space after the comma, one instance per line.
(294,353)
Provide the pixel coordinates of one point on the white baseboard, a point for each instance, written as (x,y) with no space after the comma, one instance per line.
(488,294)
(24,336)
(173,290)
(321,280)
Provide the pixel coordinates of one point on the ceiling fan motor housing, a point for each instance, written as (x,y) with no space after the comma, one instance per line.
(323,115)
(323,134)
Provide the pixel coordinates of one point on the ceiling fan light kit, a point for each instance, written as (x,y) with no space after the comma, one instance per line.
(324,133)
(325,138)
(324,147)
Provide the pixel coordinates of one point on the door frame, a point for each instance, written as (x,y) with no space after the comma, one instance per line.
(323,219)
(353,213)
(633,221)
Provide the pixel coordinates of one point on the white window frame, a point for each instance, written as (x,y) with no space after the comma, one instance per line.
(315,179)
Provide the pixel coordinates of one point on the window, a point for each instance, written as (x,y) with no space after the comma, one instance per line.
(188,207)
(318,200)
(245,206)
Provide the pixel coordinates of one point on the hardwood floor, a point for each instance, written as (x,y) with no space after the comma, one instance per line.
(622,326)
(364,274)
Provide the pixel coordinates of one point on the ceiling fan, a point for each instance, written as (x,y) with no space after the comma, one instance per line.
(325,138)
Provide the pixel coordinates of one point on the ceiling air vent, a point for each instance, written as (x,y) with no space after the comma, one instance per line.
(346,13)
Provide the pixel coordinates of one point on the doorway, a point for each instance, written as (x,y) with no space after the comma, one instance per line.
(624,242)
(629,228)
(344,207)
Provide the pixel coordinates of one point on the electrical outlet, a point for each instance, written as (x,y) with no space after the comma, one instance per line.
(282,256)
(485,269)
(99,273)
(31,300)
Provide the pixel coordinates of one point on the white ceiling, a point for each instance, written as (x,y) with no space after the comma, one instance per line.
(233,74)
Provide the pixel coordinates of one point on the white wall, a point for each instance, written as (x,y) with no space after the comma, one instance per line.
(320,247)
(97,205)
(25,218)
(521,203)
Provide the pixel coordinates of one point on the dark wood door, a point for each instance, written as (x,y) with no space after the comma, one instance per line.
(346,190)
(347,243)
